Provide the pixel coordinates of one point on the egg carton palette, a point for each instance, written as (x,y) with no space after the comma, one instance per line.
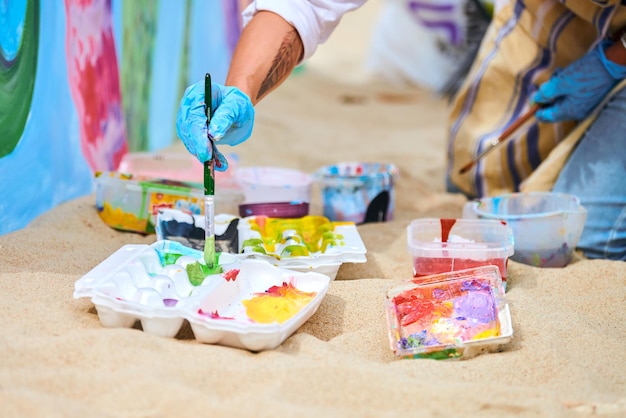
(250,304)
(455,315)
(309,243)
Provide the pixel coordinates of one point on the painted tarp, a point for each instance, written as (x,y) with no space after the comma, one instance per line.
(82,82)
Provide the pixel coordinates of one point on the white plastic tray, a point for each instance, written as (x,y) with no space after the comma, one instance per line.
(133,285)
(349,249)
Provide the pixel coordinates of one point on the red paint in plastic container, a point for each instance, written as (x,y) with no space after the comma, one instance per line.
(445,245)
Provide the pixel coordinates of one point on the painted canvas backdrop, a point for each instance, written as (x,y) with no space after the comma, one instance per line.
(84,81)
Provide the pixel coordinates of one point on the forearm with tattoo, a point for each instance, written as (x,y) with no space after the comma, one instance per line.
(268,50)
(284,62)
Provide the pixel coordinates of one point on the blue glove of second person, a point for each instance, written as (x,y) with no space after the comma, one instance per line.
(571,94)
(231,122)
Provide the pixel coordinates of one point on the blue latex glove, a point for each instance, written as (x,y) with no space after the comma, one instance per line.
(231,122)
(572,93)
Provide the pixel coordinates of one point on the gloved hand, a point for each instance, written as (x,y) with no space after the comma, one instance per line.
(572,93)
(231,122)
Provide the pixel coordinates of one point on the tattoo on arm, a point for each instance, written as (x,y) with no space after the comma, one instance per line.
(285,60)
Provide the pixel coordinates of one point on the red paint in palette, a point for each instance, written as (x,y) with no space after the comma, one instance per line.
(231,275)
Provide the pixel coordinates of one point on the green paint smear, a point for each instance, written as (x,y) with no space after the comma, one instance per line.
(139,26)
(17,82)
(171,258)
(197,271)
(439,355)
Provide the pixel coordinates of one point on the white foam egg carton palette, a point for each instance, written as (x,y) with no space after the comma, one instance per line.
(339,243)
(138,283)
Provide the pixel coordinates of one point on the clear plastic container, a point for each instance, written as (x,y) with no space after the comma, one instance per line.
(274,184)
(449,316)
(174,166)
(444,245)
(358,192)
(131,203)
(546,226)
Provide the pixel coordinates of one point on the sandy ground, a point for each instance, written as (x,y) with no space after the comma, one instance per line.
(564,360)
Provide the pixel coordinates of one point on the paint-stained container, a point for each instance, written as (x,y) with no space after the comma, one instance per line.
(266,184)
(131,203)
(546,226)
(242,303)
(454,315)
(358,192)
(445,245)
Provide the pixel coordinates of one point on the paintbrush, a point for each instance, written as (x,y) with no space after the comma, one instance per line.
(209,183)
(504,136)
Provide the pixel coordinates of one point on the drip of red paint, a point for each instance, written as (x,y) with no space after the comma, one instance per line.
(446,226)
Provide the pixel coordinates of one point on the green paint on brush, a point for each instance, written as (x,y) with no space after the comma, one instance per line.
(209,251)
(209,181)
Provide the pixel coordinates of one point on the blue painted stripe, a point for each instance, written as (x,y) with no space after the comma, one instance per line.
(532,143)
(471,96)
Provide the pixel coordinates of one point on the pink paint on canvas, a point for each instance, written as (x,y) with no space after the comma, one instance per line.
(94,82)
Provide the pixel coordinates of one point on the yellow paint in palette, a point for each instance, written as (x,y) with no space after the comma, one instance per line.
(313,232)
(277,304)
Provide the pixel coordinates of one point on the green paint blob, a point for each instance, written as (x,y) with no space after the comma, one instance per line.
(171,258)
(295,251)
(197,271)
(252,242)
(439,355)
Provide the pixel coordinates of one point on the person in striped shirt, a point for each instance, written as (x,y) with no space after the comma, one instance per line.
(569,56)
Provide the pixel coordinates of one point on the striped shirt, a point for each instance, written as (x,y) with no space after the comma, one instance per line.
(525,43)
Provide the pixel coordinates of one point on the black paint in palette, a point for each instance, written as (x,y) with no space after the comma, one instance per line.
(193,236)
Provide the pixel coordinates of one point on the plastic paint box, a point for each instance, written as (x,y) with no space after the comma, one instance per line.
(454,315)
(444,245)
(180,166)
(546,226)
(274,184)
(174,166)
(130,203)
(358,192)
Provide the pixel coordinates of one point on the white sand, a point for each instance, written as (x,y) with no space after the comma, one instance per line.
(565,358)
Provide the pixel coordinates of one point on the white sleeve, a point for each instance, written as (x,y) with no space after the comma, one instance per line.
(314,20)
